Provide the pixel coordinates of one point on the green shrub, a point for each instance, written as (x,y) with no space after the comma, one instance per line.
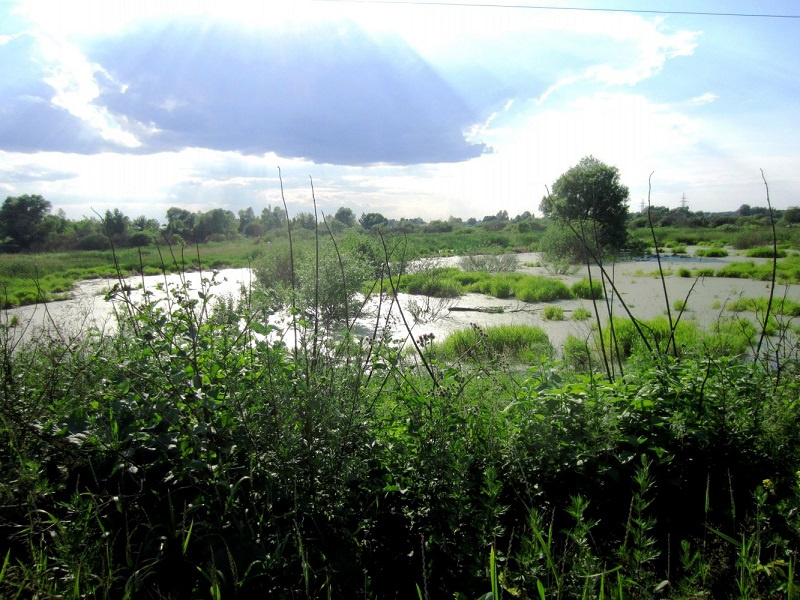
(750,238)
(685,272)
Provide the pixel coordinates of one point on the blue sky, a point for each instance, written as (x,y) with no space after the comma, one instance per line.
(412,110)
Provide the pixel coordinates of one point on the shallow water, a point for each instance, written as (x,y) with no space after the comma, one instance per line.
(88,311)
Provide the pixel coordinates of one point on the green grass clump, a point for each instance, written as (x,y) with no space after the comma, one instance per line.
(684,272)
(553,313)
(788,270)
(583,290)
(780,306)
(533,288)
(678,250)
(679,305)
(629,342)
(440,282)
(577,354)
(711,252)
(512,342)
(765,252)
(581,314)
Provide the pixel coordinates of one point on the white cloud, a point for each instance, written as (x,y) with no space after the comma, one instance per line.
(73,80)
(706,98)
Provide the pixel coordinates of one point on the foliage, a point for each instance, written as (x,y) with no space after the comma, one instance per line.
(373,219)
(591,200)
(22,220)
(561,250)
(191,454)
(449,282)
(324,281)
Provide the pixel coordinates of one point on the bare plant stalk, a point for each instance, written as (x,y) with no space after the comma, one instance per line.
(291,264)
(660,268)
(394,286)
(774,269)
(316,270)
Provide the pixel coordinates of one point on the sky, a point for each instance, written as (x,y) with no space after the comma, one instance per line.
(409,109)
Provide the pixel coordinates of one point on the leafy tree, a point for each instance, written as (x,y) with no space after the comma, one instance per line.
(273,217)
(346,216)
(562,250)
(246,217)
(590,198)
(791,215)
(116,224)
(181,222)
(216,222)
(21,220)
(142,223)
(370,220)
(304,220)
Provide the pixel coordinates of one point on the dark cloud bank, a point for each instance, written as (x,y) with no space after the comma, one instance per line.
(332,95)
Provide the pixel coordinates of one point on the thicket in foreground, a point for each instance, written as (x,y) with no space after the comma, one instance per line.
(193,454)
(201,452)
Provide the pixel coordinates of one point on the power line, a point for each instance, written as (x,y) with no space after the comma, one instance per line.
(572,8)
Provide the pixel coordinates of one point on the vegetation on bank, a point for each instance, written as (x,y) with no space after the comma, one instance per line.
(201,452)
(206,449)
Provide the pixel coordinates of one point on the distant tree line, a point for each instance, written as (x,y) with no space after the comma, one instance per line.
(28,224)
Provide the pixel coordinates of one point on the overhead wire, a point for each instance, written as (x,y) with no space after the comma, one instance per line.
(571,8)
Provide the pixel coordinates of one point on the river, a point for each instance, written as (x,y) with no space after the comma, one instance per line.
(88,311)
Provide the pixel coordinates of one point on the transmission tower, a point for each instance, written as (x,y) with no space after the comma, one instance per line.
(684,201)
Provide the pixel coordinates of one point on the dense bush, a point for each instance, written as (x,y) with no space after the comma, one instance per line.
(193,453)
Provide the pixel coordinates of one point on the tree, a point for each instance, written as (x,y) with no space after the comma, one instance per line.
(142,223)
(791,215)
(590,200)
(246,217)
(217,223)
(346,216)
(116,224)
(273,217)
(181,222)
(370,220)
(21,219)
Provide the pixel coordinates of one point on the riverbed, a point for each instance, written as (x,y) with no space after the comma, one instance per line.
(88,312)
